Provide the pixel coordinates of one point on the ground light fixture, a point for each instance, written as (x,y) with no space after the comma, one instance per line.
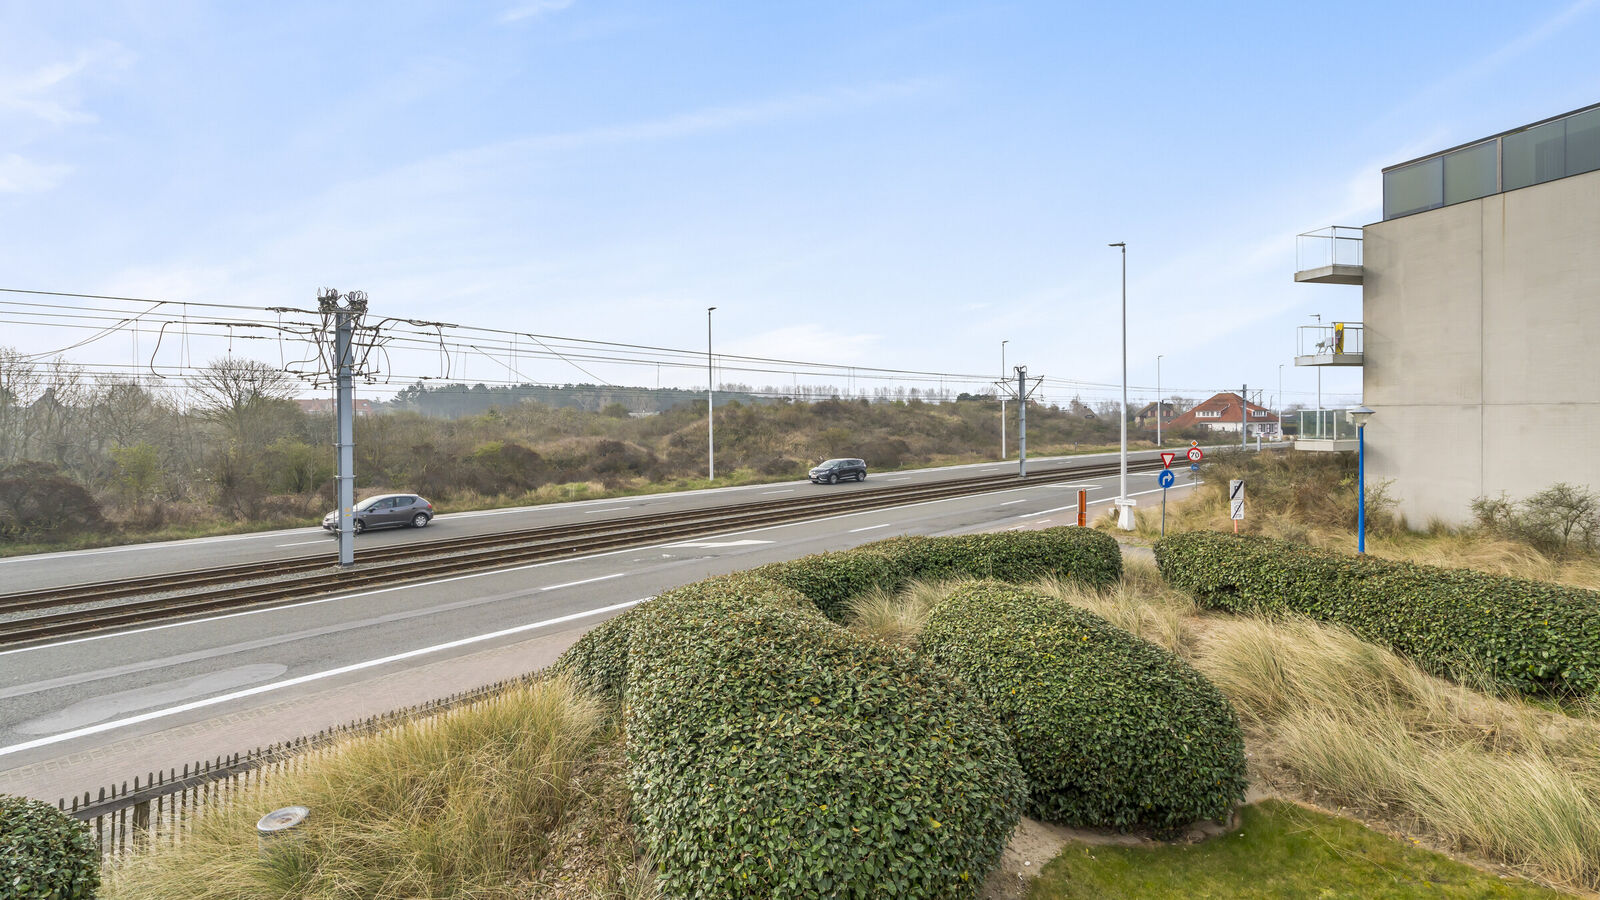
(1359,416)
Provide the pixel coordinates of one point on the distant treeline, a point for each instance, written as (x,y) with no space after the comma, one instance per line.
(454,400)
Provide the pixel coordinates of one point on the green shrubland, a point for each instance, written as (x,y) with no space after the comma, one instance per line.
(1528,636)
(1113,731)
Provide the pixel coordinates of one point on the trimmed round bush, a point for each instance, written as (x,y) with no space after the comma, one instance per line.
(44,853)
(1111,730)
(774,753)
(1529,636)
(830,580)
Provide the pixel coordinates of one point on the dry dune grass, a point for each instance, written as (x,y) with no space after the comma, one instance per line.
(1349,720)
(467,804)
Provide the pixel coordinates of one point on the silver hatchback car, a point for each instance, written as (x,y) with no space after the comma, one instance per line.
(384,511)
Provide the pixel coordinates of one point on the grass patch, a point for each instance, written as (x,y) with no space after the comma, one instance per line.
(1280,851)
(477,802)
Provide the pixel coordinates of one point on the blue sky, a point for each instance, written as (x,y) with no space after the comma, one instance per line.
(874,183)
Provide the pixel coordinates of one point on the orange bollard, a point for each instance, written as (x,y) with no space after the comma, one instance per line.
(1083,509)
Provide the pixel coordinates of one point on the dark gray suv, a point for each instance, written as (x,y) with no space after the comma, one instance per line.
(383,511)
(832,470)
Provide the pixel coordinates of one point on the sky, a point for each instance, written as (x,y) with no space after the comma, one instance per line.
(891,184)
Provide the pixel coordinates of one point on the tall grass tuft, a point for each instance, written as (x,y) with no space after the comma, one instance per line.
(897,617)
(462,804)
(1355,721)
(1141,604)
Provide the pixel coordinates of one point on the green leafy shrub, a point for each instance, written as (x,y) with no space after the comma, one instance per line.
(830,580)
(44,853)
(1111,730)
(1530,636)
(774,753)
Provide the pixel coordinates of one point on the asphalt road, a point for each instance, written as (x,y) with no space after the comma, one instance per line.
(58,701)
(50,570)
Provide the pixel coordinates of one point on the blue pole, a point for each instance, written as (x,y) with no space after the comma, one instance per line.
(1361,489)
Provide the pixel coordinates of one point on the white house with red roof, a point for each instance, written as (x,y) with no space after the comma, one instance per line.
(1229,412)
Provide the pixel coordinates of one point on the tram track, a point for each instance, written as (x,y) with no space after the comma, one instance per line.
(92,608)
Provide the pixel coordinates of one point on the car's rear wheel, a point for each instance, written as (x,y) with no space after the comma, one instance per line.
(861,476)
(833,477)
(360,526)
(420,520)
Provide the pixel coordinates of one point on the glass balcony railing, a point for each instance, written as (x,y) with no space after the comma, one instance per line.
(1329,255)
(1564,145)
(1325,425)
(1335,340)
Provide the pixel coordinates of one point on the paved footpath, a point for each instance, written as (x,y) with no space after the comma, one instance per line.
(301,716)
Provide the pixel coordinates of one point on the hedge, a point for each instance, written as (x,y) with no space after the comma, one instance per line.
(830,580)
(45,854)
(1529,636)
(774,753)
(599,659)
(1111,730)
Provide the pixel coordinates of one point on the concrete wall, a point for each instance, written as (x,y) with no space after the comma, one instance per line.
(1483,347)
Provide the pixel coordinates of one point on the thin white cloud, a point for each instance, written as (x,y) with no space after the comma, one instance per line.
(533,10)
(19,175)
(50,92)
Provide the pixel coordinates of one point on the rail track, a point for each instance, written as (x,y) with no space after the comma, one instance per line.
(107,605)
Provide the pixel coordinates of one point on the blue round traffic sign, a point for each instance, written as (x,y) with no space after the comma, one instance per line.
(1166,478)
(1194,467)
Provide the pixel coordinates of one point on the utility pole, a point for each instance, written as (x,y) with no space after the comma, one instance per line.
(711,407)
(1022,421)
(345,317)
(1244,416)
(1003,400)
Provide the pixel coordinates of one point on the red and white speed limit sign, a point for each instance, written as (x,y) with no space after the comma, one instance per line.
(1195,455)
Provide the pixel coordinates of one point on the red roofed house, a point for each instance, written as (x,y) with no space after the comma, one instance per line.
(1223,413)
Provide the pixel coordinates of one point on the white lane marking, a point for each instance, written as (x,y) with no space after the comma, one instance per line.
(304,679)
(1020,500)
(789,491)
(506,571)
(153,545)
(742,543)
(906,478)
(871,527)
(303,543)
(1043,511)
(99,708)
(557,587)
(606,510)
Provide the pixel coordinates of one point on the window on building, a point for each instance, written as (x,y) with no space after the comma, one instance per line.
(1207,414)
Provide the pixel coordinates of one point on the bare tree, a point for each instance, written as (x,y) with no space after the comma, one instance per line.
(21,383)
(243,396)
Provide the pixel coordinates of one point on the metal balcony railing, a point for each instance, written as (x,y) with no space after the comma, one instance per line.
(1336,339)
(1336,245)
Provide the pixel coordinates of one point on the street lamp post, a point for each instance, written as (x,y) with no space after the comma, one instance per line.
(1003,399)
(1280,401)
(1158,401)
(1124,502)
(711,408)
(1360,415)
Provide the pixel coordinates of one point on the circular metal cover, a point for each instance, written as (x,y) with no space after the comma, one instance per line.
(282,819)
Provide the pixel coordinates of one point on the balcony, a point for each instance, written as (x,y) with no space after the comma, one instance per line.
(1329,255)
(1325,430)
(1338,344)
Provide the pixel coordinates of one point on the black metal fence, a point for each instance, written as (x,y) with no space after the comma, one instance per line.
(162,807)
